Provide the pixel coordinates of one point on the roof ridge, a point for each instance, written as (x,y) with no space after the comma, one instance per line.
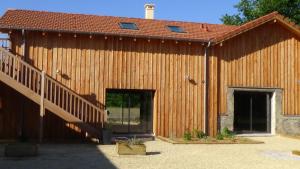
(250,25)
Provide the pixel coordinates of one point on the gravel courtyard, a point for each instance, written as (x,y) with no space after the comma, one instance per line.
(275,153)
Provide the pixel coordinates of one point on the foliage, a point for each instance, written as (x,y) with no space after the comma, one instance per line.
(251,9)
(114,100)
(135,141)
(131,141)
(187,135)
(227,133)
(122,100)
(199,134)
(220,136)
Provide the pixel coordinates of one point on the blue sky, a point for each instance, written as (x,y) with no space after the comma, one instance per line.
(208,11)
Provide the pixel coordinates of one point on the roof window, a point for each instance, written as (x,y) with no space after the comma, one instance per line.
(176,29)
(128,25)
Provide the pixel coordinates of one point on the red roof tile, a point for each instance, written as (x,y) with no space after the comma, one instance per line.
(63,22)
(109,25)
(252,24)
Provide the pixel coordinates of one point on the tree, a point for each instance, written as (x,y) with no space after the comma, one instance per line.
(251,9)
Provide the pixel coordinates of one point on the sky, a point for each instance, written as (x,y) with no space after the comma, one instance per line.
(206,11)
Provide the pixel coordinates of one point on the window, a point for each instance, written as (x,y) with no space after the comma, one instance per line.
(130,111)
(128,25)
(176,29)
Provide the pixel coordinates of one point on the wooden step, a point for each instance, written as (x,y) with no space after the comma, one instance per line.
(19,75)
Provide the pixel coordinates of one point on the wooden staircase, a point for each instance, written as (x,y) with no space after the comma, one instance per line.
(50,94)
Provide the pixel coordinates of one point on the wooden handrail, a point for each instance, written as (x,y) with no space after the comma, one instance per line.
(54,92)
(70,91)
(19,70)
(20,60)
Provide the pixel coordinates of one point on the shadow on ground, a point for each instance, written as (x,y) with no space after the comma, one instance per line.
(153,153)
(60,156)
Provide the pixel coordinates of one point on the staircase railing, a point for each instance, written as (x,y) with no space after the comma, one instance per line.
(55,92)
(73,103)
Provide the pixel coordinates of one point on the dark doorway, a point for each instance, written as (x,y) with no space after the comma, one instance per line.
(252,112)
(130,111)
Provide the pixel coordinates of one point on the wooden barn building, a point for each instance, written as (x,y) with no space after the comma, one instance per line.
(66,76)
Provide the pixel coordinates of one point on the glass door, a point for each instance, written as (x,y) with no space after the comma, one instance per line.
(252,112)
(130,111)
(116,105)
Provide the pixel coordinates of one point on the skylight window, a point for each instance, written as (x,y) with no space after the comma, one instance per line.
(128,25)
(176,29)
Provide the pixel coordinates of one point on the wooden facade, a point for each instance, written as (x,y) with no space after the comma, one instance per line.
(89,66)
(264,57)
(19,115)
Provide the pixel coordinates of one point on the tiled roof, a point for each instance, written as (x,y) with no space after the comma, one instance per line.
(252,24)
(109,25)
(64,22)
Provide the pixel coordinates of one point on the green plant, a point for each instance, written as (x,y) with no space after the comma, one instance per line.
(199,134)
(248,10)
(187,135)
(220,136)
(135,141)
(227,133)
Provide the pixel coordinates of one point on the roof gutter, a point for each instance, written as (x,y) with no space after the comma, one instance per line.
(105,34)
(205,91)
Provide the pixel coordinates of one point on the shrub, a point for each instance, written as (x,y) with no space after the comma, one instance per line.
(135,141)
(187,135)
(227,133)
(220,136)
(199,134)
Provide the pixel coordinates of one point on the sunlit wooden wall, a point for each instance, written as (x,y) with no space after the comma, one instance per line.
(90,65)
(265,57)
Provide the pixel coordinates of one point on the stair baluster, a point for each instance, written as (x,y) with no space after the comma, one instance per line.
(58,98)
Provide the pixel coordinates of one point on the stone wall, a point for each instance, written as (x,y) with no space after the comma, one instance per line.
(287,125)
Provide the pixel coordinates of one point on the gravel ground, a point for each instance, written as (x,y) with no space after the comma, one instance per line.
(274,154)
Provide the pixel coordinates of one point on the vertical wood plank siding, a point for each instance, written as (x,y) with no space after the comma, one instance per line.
(89,66)
(265,57)
(24,118)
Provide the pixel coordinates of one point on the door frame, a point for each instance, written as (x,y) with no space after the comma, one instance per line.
(129,92)
(226,118)
(251,102)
